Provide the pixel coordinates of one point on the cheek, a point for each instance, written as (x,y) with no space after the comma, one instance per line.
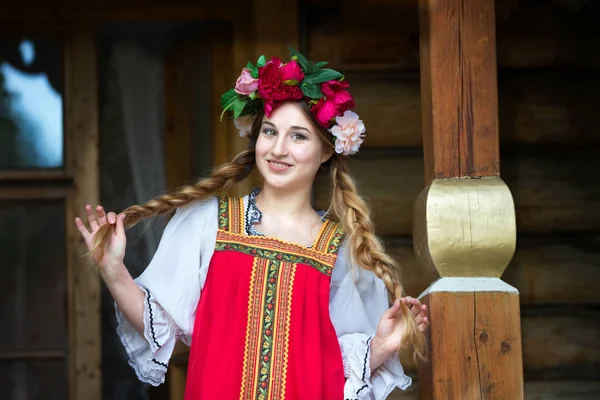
(307,156)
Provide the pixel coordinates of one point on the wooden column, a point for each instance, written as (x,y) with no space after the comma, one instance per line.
(83,283)
(464,222)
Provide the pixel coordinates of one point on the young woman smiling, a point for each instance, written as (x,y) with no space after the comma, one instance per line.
(277,300)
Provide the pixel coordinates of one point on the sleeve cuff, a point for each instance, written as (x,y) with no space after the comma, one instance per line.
(148,355)
(361,383)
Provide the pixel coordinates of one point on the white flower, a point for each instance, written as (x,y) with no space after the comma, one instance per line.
(244,125)
(348,131)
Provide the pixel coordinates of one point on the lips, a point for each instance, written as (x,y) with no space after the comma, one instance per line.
(278,166)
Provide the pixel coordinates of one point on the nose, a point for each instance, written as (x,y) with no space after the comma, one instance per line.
(279,148)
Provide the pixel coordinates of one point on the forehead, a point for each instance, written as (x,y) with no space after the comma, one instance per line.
(287,115)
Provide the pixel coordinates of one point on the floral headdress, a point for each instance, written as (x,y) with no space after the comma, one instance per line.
(264,86)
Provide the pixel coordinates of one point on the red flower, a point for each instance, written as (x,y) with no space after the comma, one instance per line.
(336,101)
(270,83)
(268,332)
(266,358)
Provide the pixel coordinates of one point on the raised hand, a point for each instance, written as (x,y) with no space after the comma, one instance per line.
(112,257)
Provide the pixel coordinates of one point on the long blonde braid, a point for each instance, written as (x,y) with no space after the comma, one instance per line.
(221,178)
(366,249)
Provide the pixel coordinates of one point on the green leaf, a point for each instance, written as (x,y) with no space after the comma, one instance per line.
(322,75)
(249,65)
(238,107)
(291,82)
(261,61)
(312,91)
(312,67)
(321,64)
(300,58)
(254,72)
(227,97)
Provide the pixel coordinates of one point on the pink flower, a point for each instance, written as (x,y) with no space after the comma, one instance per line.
(348,132)
(246,84)
(336,101)
(291,72)
(244,125)
(271,87)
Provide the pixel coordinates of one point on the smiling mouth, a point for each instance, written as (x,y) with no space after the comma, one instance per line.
(278,166)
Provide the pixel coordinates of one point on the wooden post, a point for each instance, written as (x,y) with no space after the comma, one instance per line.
(83,283)
(464,223)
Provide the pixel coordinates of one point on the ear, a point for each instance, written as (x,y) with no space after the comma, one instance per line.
(327,153)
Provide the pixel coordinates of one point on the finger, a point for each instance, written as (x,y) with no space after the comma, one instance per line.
(91,218)
(82,228)
(112,218)
(393,310)
(424,324)
(120,227)
(101,215)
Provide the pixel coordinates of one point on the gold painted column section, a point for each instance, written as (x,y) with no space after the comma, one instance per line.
(464,221)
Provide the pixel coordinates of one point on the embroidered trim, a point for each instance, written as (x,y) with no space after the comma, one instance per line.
(365,361)
(274,250)
(267,331)
(152,323)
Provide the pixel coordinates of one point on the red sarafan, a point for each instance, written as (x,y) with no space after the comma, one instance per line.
(262,328)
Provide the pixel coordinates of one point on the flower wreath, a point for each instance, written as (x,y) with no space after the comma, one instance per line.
(264,86)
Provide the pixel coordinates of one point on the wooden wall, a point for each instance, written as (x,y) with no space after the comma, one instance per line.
(548,74)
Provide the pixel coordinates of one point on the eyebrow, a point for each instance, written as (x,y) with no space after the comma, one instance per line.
(293,127)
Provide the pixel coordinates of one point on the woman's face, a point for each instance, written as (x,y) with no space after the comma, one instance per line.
(289,151)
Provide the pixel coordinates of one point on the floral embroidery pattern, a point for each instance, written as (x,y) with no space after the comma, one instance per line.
(267,331)
(273,252)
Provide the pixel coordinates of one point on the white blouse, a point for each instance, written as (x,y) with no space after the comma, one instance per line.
(173,283)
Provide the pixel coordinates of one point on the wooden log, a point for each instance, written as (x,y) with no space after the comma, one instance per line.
(550,192)
(552,106)
(562,390)
(556,270)
(561,342)
(551,189)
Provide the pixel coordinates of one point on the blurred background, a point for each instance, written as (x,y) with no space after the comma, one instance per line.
(114,102)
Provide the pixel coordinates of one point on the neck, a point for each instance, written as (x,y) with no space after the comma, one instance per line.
(289,202)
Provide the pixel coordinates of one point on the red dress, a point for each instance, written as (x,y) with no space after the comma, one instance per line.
(262,328)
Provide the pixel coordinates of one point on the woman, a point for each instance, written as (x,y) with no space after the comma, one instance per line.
(278,300)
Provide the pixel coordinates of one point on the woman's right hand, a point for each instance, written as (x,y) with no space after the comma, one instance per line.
(111,259)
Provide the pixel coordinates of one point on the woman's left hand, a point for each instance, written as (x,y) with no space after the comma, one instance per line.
(391,325)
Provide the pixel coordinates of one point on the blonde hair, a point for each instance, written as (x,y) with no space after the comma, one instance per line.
(347,206)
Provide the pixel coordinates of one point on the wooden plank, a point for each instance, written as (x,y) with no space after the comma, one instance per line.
(562,390)
(561,342)
(480,361)
(553,106)
(459,89)
(83,283)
